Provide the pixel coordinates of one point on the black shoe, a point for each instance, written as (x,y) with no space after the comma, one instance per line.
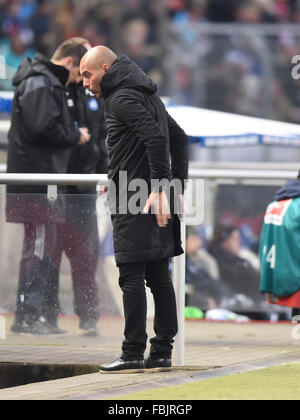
(89,328)
(20,327)
(158,364)
(51,322)
(123,366)
(38,327)
(56,330)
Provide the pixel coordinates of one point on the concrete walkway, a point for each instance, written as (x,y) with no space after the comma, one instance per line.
(212,349)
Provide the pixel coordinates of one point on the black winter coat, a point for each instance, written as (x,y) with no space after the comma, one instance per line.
(87,111)
(42,133)
(147,143)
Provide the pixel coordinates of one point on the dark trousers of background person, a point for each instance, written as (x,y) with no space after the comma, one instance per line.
(44,243)
(36,270)
(78,238)
(132,282)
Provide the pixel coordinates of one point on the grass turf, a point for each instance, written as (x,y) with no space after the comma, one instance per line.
(276,383)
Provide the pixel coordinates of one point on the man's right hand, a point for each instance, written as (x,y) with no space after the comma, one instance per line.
(85,136)
(161,207)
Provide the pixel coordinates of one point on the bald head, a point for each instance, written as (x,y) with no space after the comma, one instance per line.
(98,56)
(94,65)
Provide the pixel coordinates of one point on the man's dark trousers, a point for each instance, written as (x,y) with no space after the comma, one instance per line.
(36,269)
(78,237)
(132,282)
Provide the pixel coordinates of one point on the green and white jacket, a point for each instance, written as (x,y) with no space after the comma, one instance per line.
(280,248)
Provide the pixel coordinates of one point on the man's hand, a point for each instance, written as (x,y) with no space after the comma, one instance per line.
(85,136)
(159,202)
(102,189)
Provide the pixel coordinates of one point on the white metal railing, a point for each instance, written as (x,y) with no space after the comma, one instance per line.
(274,166)
(203,173)
(4,126)
(51,179)
(242,174)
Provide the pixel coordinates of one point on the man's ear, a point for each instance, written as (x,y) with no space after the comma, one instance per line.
(68,62)
(105,67)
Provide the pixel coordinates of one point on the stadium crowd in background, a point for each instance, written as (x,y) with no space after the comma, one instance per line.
(243,74)
(39,23)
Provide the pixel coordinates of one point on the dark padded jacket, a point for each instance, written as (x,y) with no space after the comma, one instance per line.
(42,133)
(88,111)
(146,143)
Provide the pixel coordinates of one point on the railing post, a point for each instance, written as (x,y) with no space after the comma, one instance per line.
(2,328)
(179,284)
(52,192)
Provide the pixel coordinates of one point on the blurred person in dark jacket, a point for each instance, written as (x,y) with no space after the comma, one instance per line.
(77,236)
(202,275)
(237,274)
(41,139)
(146,144)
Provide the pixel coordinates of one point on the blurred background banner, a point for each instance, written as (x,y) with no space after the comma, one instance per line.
(232,129)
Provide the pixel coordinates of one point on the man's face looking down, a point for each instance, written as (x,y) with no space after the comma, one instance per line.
(92,75)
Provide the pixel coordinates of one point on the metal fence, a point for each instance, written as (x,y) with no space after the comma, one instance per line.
(213,177)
